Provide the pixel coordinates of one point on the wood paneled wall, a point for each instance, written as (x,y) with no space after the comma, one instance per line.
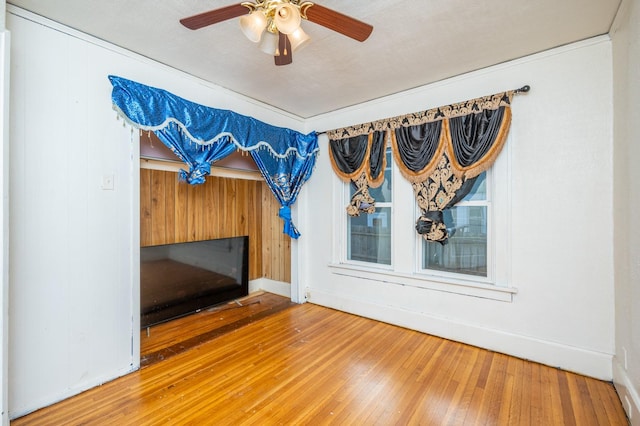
(175,212)
(274,242)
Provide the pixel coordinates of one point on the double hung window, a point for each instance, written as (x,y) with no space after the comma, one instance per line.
(369,236)
(466,251)
(385,246)
(443,223)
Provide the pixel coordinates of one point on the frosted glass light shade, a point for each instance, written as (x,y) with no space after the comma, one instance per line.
(298,39)
(253,25)
(269,43)
(287,18)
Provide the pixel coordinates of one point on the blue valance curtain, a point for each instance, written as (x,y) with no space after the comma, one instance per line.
(201,135)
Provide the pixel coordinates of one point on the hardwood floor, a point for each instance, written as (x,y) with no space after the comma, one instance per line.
(162,341)
(306,364)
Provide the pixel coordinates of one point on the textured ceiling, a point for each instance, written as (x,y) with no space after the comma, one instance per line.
(414,42)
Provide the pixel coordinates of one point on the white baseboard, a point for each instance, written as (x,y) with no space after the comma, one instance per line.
(276,287)
(582,361)
(627,392)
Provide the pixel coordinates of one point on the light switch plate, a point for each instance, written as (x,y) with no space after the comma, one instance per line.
(107,182)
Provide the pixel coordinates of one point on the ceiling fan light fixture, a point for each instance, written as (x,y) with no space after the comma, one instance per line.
(298,39)
(269,43)
(287,18)
(253,25)
(271,19)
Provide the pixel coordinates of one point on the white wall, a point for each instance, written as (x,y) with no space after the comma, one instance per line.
(626,86)
(74,291)
(4,217)
(558,219)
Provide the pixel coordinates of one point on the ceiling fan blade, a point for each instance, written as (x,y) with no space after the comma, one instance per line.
(284,56)
(214,16)
(338,22)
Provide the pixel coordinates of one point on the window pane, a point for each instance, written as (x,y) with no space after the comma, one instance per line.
(479,190)
(382,194)
(466,250)
(369,237)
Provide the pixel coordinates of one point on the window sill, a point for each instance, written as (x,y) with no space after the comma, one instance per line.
(463,287)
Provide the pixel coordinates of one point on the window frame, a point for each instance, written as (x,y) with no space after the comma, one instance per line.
(449,275)
(403,270)
(346,198)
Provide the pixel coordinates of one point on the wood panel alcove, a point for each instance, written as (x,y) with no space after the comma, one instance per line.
(222,207)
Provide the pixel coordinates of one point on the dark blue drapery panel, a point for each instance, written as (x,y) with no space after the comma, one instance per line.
(286,177)
(198,159)
(200,135)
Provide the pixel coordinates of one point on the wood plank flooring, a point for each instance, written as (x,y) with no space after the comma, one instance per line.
(307,364)
(162,341)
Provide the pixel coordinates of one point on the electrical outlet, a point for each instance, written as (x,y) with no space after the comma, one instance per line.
(624,358)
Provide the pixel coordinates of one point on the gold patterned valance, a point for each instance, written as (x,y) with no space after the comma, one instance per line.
(471,142)
(360,160)
(490,102)
(440,151)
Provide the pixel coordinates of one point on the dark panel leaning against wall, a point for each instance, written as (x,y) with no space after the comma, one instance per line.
(172,212)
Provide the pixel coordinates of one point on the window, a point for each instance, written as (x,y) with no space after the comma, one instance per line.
(473,257)
(369,235)
(466,251)
(384,246)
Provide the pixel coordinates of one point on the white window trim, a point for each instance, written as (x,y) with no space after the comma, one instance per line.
(342,248)
(457,286)
(437,274)
(402,271)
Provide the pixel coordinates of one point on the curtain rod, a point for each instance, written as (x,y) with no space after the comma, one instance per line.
(524,89)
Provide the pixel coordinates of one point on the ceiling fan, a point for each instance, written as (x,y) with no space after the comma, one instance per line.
(275,24)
